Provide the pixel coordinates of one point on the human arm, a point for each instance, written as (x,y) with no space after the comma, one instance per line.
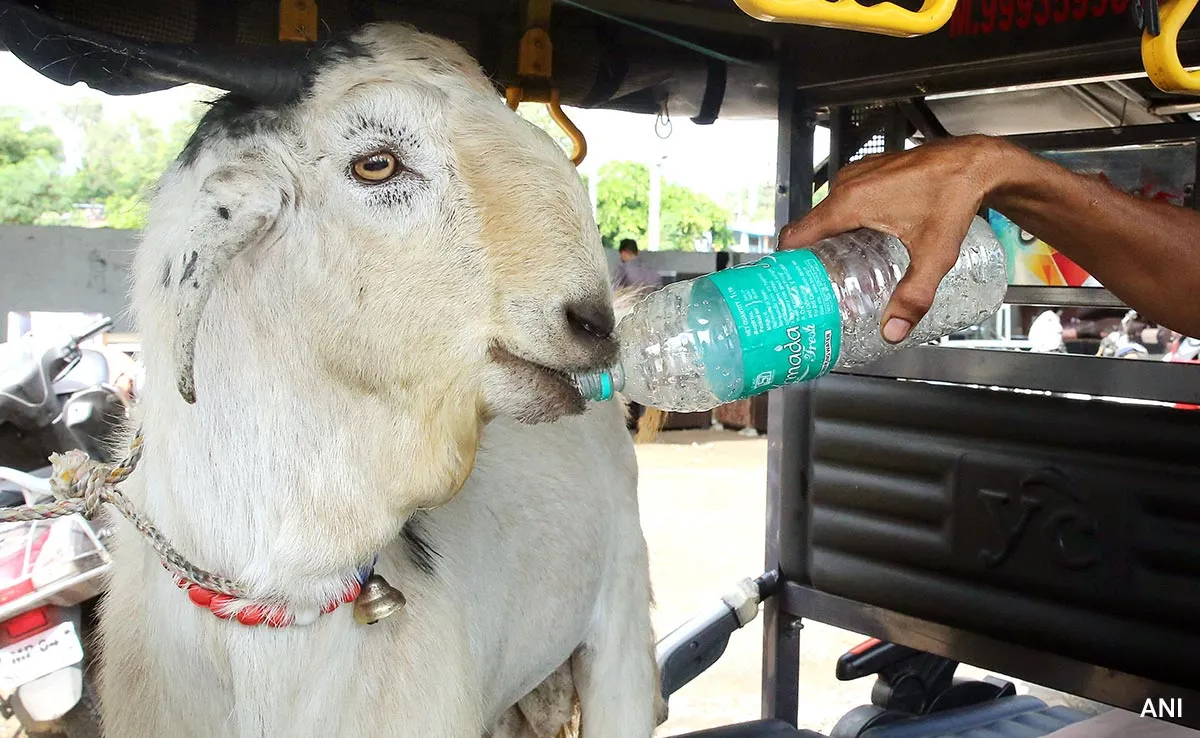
(1147,253)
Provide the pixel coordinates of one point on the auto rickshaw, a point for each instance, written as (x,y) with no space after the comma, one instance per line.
(957,505)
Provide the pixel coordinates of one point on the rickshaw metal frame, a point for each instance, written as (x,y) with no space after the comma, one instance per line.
(790,417)
(816,81)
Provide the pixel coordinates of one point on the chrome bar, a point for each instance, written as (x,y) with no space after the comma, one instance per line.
(1062,296)
(1084,376)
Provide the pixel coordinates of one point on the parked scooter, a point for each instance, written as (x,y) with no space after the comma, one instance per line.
(1122,343)
(51,571)
(1183,350)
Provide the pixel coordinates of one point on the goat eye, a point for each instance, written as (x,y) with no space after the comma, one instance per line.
(375,168)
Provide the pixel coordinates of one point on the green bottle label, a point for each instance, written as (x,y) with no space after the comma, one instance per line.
(787,318)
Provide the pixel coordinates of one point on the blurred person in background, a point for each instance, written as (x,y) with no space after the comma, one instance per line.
(632,273)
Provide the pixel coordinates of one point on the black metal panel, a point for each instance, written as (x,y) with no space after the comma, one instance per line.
(922,118)
(1011,659)
(1066,526)
(724,18)
(788,423)
(1110,137)
(842,141)
(838,67)
(856,131)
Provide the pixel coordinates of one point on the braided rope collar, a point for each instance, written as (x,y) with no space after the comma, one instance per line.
(274,616)
(82,484)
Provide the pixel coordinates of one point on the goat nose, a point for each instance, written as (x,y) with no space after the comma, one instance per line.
(591,318)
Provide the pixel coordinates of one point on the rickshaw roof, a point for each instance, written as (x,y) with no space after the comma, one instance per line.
(999,66)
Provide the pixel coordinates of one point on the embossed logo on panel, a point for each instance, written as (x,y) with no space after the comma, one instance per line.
(1044,509)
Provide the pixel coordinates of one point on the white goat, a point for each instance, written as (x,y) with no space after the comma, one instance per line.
(377,288)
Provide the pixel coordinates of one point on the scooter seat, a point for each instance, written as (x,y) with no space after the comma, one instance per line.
(1009,717)
(756,729)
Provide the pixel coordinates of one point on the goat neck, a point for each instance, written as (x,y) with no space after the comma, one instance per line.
(282,475)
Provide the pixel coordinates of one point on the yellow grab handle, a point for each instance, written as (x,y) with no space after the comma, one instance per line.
(886,18)
(1160,54)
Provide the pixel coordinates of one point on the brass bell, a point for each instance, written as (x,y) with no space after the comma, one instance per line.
(377,600)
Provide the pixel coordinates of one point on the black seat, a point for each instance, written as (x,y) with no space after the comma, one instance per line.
(756,729)
(1010,717)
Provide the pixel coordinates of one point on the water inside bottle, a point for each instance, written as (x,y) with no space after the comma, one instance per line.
(716,336)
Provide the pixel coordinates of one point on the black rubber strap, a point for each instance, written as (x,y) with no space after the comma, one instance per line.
(610,69)
(714,92)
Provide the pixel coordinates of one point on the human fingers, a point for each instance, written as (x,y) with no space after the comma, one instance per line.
(931,257)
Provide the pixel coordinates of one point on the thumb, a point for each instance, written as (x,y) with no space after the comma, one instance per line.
(915,292)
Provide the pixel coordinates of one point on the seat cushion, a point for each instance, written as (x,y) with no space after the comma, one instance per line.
(756,729)
(1011,717)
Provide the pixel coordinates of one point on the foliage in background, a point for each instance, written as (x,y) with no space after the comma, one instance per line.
(123,159)
(689,216)
(623,202)
(30,159)
(17,144)
(685,216)
(820,194)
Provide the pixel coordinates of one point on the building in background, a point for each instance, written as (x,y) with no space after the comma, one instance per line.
(753,237)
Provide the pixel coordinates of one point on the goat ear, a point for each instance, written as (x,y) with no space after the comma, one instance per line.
(237,207)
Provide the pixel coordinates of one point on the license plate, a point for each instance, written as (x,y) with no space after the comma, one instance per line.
(37,656)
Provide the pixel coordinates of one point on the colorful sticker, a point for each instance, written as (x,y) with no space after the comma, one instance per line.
(787,319)
(1162,172)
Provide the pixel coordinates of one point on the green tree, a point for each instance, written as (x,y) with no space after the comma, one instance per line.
(622,201)
(18,144)
(30,183)
(685,217)
(688,217)
(124,159)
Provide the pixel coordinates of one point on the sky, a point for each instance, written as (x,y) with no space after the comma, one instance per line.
(723,157)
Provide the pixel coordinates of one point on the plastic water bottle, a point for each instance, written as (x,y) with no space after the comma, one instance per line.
(789,317)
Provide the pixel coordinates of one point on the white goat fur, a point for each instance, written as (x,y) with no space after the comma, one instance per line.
(343,381)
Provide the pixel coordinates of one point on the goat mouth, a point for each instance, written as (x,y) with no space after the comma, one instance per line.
(509,360)
(550,392)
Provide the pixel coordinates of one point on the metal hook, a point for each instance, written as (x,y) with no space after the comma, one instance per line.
(534,80)
(515,95)
(663,127)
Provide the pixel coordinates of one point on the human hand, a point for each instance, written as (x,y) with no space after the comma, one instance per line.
(926,197)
